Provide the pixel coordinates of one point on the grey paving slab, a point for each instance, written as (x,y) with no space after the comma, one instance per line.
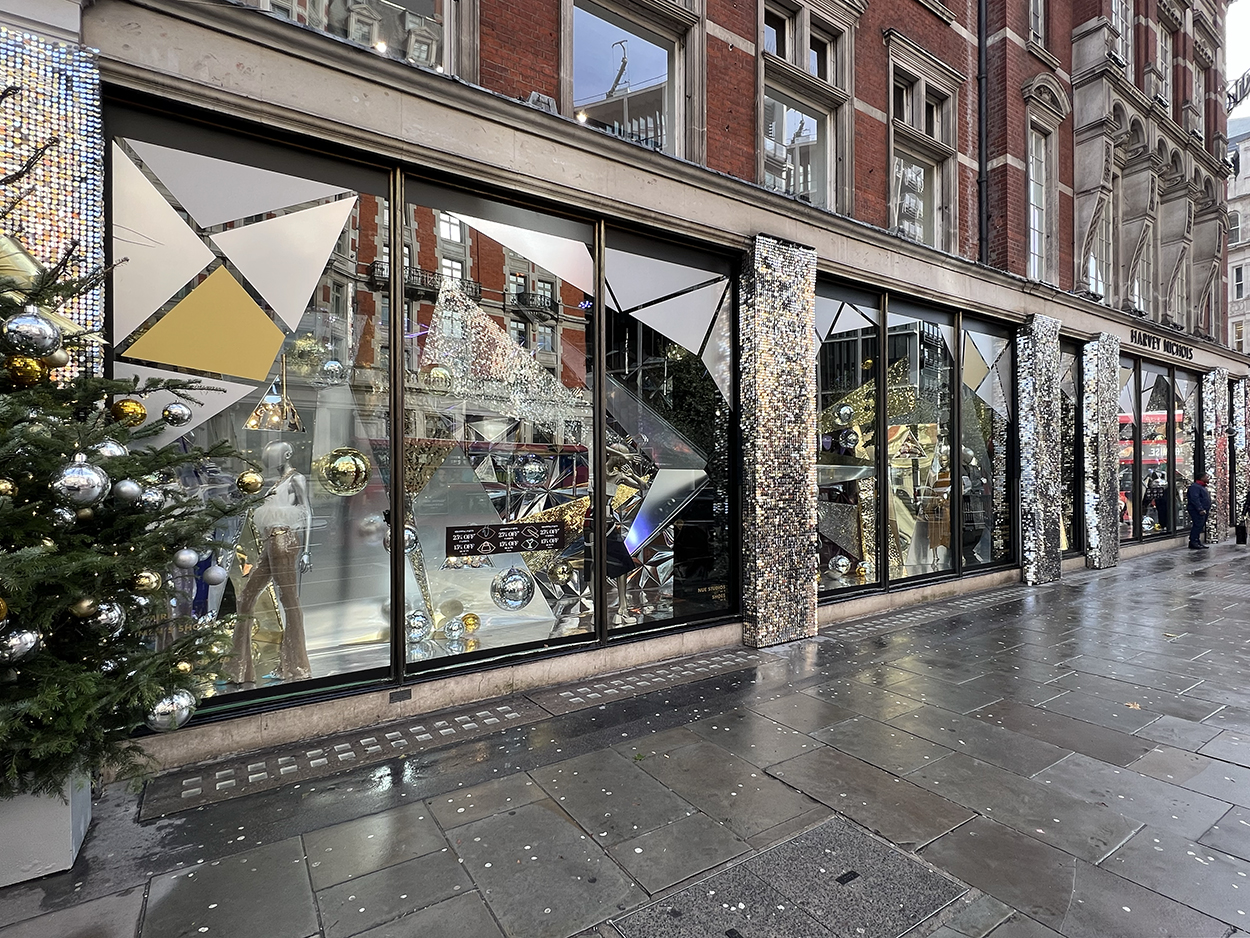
(676,852)
(941,693)
(1085,830)
(479,801)
(791,826)
(345,851)
(1236,719)
(374,898)
(1148,698)
(1104,712)
(611,796)
(1229,746)
(1227,691)
(1060,730)
(954,668)
(1231,833)
(1222,780)
(882,676)
(887,747)
(897,810)
(1183,734)
(656,744)
(864,699)
(235,896)
(1177,867)
(115,916)
(1068,895)
(464,916)
(540,875)
(1021,926)
(978,917)
(1020,689)
(802,712)
(1140,797)
(1123,670)
(981,739)
(757,739)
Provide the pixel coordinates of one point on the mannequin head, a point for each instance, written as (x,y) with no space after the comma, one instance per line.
(276,454)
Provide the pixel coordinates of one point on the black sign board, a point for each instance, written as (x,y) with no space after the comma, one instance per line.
(485,539)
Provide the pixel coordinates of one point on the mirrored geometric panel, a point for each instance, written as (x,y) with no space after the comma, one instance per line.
(985,528)
(1070,389)
(1129,416)
(1188,391)
(1155,494)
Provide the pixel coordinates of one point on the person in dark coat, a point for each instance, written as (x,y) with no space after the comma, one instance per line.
(1198,499)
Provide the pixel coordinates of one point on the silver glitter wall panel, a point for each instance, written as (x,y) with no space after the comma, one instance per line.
(1238,444)
(62,200)
(1101,429)
(777,330)
(1215,450)
(1037,383)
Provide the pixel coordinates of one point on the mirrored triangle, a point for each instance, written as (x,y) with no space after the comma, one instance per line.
(163,253)
(670,491)
(826,313)
(284,257)
(215,191)
(210,402)
(990,346)
(850,318)
(718,353)
(569,260)
(975,366)
(685,319)
(635,280)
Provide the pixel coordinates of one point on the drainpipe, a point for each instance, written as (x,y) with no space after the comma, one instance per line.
(983,171)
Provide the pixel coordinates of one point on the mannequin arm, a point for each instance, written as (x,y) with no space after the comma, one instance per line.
(301,498)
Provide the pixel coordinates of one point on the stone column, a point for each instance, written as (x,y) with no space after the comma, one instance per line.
(1101,431)
(1237,445)
(777,335)
(1215,450)
(1037,390)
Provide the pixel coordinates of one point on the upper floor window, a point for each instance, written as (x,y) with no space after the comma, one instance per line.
(1141,285)
(1037,21)
(1239,286)
(794,148)
(449,228)
(1041,181)
(1122,23)
(1200,99)
(452,269)
(518,284)
(1167,43)
(777,29)
(1234,228)
(1098,257)
(1239,337)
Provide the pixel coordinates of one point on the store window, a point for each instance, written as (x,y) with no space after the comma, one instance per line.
(1130,417)
(625,77)
(1071,483)
(847,473)
(1156,434)
(986,429)
(229,242)
(1185,462)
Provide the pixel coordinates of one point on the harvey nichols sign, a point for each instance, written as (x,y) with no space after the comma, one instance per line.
(1159,344)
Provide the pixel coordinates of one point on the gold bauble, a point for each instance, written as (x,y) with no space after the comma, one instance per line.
(146,581)
(344,471)
(57,359)
(85,608)
(4,609)
(472,621)
(129,412)
(249,482)
(25,371)
(438,379)
(7,488)
(84,514)
(183,667)
(472,644)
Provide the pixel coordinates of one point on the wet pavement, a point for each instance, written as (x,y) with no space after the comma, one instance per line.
(1072,760)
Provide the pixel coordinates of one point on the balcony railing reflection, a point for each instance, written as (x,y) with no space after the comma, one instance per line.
(420,283)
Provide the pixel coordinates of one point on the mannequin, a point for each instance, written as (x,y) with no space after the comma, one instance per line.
(283,525)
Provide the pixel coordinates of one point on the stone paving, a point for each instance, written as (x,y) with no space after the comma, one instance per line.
(1072,760)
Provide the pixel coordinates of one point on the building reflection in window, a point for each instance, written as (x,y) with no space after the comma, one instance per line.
(1188,389)
(986,427)
(1156,391)
(1070,389)
(1130,414)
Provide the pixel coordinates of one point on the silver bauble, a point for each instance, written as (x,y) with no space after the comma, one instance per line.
(454,628)
(844,414)
(110,616)
(214,575)
(456,646)
(126,491)
(840,565)
(176,414)
(332,373)
(849,439)
(79,483)
(419,626)
(151,499)
(16,644)
(186,559)
(171,712)
(63,517)
(512,589)
(421,651)
(31,333)
(410,539)
(529,472)
(449,608)
(107,449)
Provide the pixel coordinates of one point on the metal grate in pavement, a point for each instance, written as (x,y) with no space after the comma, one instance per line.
(260,771)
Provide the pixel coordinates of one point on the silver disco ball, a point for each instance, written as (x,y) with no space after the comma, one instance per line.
(419,626)
(529,472)
(512,589)
(171,712)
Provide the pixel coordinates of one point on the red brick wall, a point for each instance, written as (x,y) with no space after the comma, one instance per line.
(731,142)
(520,47)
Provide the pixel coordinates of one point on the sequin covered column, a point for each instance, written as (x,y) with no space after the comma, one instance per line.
(1101,432)
(58,102)
(1215,450)
(1037,383)
(1238,445)
(778,358)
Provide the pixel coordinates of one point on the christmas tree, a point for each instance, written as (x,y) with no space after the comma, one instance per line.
(98,539)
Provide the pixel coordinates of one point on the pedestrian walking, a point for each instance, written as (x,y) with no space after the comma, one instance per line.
(1198,499)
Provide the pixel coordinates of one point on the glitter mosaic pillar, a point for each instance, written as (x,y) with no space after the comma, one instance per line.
(1101,430)
(1037,383)
(778,346)
(64,195)
(1215,450)
(1237,445)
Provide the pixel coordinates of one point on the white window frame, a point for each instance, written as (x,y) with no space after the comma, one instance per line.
(1037,22)
(1166,64)
(1234,228)
(1239,284)
(1122,16)
(1041,184)
(822,179)
(1099,279)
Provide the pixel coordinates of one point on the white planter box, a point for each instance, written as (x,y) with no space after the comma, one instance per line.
(42,835)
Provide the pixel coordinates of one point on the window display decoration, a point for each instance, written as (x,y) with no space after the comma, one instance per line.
(1037,382)
(1215,448)
(778,340)
(1101,429)
(275,413)
(344,472)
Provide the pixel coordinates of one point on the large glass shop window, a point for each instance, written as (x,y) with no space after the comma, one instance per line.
(1070,485)
(1188,392)
(498,425)
(246,267)
(919,440)
(668,340)
(1156,423)
(846,458)
(1130,414)
(985,527)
